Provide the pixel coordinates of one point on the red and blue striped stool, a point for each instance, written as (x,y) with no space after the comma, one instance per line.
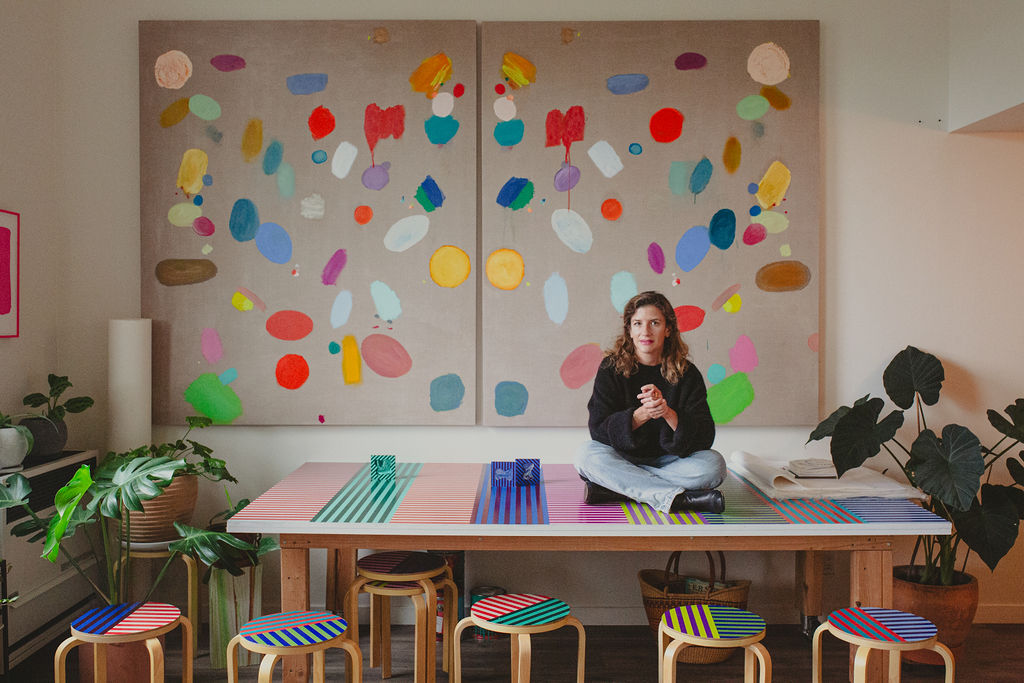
(127,623)
(403,573)
(519,615)
(712,626)
(295,633)
(877,628)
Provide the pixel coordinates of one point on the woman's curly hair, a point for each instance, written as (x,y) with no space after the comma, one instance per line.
(673,357)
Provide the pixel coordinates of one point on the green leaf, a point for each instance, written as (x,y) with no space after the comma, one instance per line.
(913,371)
(990,527)
(65,502)
(35,400)
(134,481)
(78,404)
(14,491)
(1017,496)
(949,468)
(58,384)
(828,425)
(1015,469)
(198,421)
(214,547)
(1014,428)
(858,435)
(31,526)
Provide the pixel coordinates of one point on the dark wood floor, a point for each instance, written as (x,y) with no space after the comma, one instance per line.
(619,654)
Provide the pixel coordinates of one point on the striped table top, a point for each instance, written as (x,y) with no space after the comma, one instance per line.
(519,609)
(293,629)
(713,621)
(127,618)
(401,564)
(886,625)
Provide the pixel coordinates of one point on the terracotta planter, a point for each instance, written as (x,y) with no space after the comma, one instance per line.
(950,608)
(175,504)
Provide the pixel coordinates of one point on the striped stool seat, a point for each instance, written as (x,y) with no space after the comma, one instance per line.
(294,633)
(126,623)
(712,626)
(877,628)
(519,615)
(417,575)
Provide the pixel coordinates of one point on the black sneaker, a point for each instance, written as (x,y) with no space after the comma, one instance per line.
(700,500)
(596,494)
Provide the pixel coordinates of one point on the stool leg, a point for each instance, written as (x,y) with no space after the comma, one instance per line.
(188,639)
(668,662)
(419,643)
(192,572)
(233,659)
(581,650)
(663,641)
(514,654)
(429,637)
(765,659)
(895,670)
(383,634)
(525,653)
(451,606)
(267,668)
(816,652)
(320,666)
(99,663)
(60,658)
(375,634)
(947,656)
(156,660)
(860,664)
(457,648)
(355,661)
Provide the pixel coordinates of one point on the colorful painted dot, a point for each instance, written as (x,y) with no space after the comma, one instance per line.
(635,148)
(319,156)
(207,180)
(320,418)
(716,373)
(198,200)
(752,188)
(500,88)
(363,214)
(334,347)
(755,210)
(459,90)
(611,209)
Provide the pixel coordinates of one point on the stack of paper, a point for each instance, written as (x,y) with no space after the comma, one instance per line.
(775,479)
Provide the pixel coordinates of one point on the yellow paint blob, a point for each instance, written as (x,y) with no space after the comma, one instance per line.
(773,221)
(183,214)
(732,154)
(733,304)
(191,170)
(785,250)
(351,362)
(175,113)
(431,74)
(252,139)
(518,70)
(773,185)
(241,302)
(449,266)
(505,269)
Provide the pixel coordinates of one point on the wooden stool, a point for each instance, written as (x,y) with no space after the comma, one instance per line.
(712,626)
(126,623)
(402,572)
(519,615)
(156,551)
(880,629)
(295,633)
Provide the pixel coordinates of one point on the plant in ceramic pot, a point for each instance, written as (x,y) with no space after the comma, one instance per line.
(15,441)
(950,465)
(49,429)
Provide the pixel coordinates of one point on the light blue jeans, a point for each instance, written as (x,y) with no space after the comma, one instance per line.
(656,483)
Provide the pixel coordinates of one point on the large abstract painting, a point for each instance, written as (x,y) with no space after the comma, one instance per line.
(308,220)
(628,156)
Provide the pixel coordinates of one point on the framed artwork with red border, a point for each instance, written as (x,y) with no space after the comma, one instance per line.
(10,239)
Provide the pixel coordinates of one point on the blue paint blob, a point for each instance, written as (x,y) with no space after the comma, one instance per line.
(274,243)
(716,373)
(692,247)
(341,309)
(429,195)
(334,348)
(272,157)
(207,180)
(509,133)
(510,399)
(556,298)
(244,221)
(623,288)
(440,129)
(446,392)
(757,128)
(306,84)
(722,229)
(635,148)
(510,191)
(701,176)
(228,376)
(755,210)
(319,156)
(625,84)
(752,188)
(198,200)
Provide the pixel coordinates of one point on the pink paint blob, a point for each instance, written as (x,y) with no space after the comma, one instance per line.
(209,342)
(743,355)
(813,342)
(334,267)
(227,63)
(656,257)
(203,226)
(754,233)
(386,356)
(580,366)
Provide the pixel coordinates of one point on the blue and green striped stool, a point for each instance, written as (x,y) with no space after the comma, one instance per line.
(519,615)
(877,628)
(712,626)
(295,633)
(127,623)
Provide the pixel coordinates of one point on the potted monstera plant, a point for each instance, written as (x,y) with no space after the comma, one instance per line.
(954,469)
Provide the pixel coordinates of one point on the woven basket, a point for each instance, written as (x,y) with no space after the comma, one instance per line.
(663,589)
(175,504)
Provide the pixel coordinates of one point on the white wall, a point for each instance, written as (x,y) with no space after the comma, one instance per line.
(919,229)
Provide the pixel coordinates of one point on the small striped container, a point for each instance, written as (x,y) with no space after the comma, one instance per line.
(476,595)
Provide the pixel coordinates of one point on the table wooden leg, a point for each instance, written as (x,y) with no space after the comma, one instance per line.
(871,586)
(295,596)
(810,571)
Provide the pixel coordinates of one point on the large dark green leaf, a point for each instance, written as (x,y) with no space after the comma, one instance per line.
(828,425)
(913,371)
(133,482)
(989,528)
(14,491)
(1017,496)
(949,468)
(858,435)
(65,502)
(78,404)
(1015,469)
(1014,427)
(215,547)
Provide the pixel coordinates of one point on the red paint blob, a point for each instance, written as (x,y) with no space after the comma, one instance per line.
(754,233)
(203,226)
(321,123)
(383,123)
(459,90)
(689,317)
(565,128)
(666,124)
(499,88)
(611,209)
(580,366)
(385,356)
(289,325)
(292,371)
(363,214)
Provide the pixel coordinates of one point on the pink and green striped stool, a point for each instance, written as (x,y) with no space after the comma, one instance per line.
(127,623)
(295,633)
(712,626)
(877,628)
(519,615)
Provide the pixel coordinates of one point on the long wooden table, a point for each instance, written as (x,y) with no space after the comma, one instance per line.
(338,506)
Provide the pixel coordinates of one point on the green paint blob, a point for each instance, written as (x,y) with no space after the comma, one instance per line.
(213,399)
(679,177)
(730,397)
(204,106)
(752,107)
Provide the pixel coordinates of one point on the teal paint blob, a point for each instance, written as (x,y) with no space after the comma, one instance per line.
(635,148)
(716,373)
(623,288)
(701,176)
(244,220)
(509,133)
(510,399)
(334,348)
(272,157)
(679,173)
(446,392)
(319,156)
(440,129)
(722,229)
(286,180)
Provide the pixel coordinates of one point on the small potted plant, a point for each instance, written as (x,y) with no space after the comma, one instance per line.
(49,429)
(15,441)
